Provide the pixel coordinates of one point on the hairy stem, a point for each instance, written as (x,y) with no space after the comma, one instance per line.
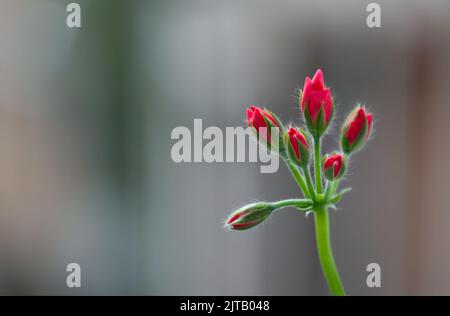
(309,182)
(317,169)
(326,253)
(328,189)
(298,177)
(298,203)
(334,186)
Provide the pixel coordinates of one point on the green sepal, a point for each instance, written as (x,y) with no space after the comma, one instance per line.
(309,123)
(318,127)
(329,174)
(320,121)
(280,142)
(278,146)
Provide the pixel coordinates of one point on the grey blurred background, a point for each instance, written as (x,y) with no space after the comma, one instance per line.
(86,117)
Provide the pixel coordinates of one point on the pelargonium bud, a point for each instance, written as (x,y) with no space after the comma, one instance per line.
(262,121)
(298,147)
(317,104)
(356,130)
(333,166)
(249,216)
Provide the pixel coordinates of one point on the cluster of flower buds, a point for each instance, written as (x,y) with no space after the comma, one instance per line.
(317,106)
(294,146)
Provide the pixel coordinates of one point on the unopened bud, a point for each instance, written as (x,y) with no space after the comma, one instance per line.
(265,124)
(297,145)
(333,166)
(356,130)
(249,216)
(317,104)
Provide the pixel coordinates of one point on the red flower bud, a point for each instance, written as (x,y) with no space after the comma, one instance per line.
(356,130)
(262,121)
(249,216)
(333,166)
(317,104)
(298,147)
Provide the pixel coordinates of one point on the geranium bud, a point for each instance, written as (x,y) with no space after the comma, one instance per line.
(298,147)
(263,121)
(317,104)
(249,216)
(356,130)
(333,166)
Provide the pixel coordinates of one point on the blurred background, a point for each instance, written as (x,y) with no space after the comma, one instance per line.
(86,174)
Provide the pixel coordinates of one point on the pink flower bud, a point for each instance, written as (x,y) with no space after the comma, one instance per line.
(298,147)
(356,130)
(333,166)
(249,216)
(317,104)
(262,121)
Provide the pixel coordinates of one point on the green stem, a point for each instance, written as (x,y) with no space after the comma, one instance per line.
(298,203)
(326,253)
(298,177)
(317,169)
(307,174)
(328,189)
(334,186)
